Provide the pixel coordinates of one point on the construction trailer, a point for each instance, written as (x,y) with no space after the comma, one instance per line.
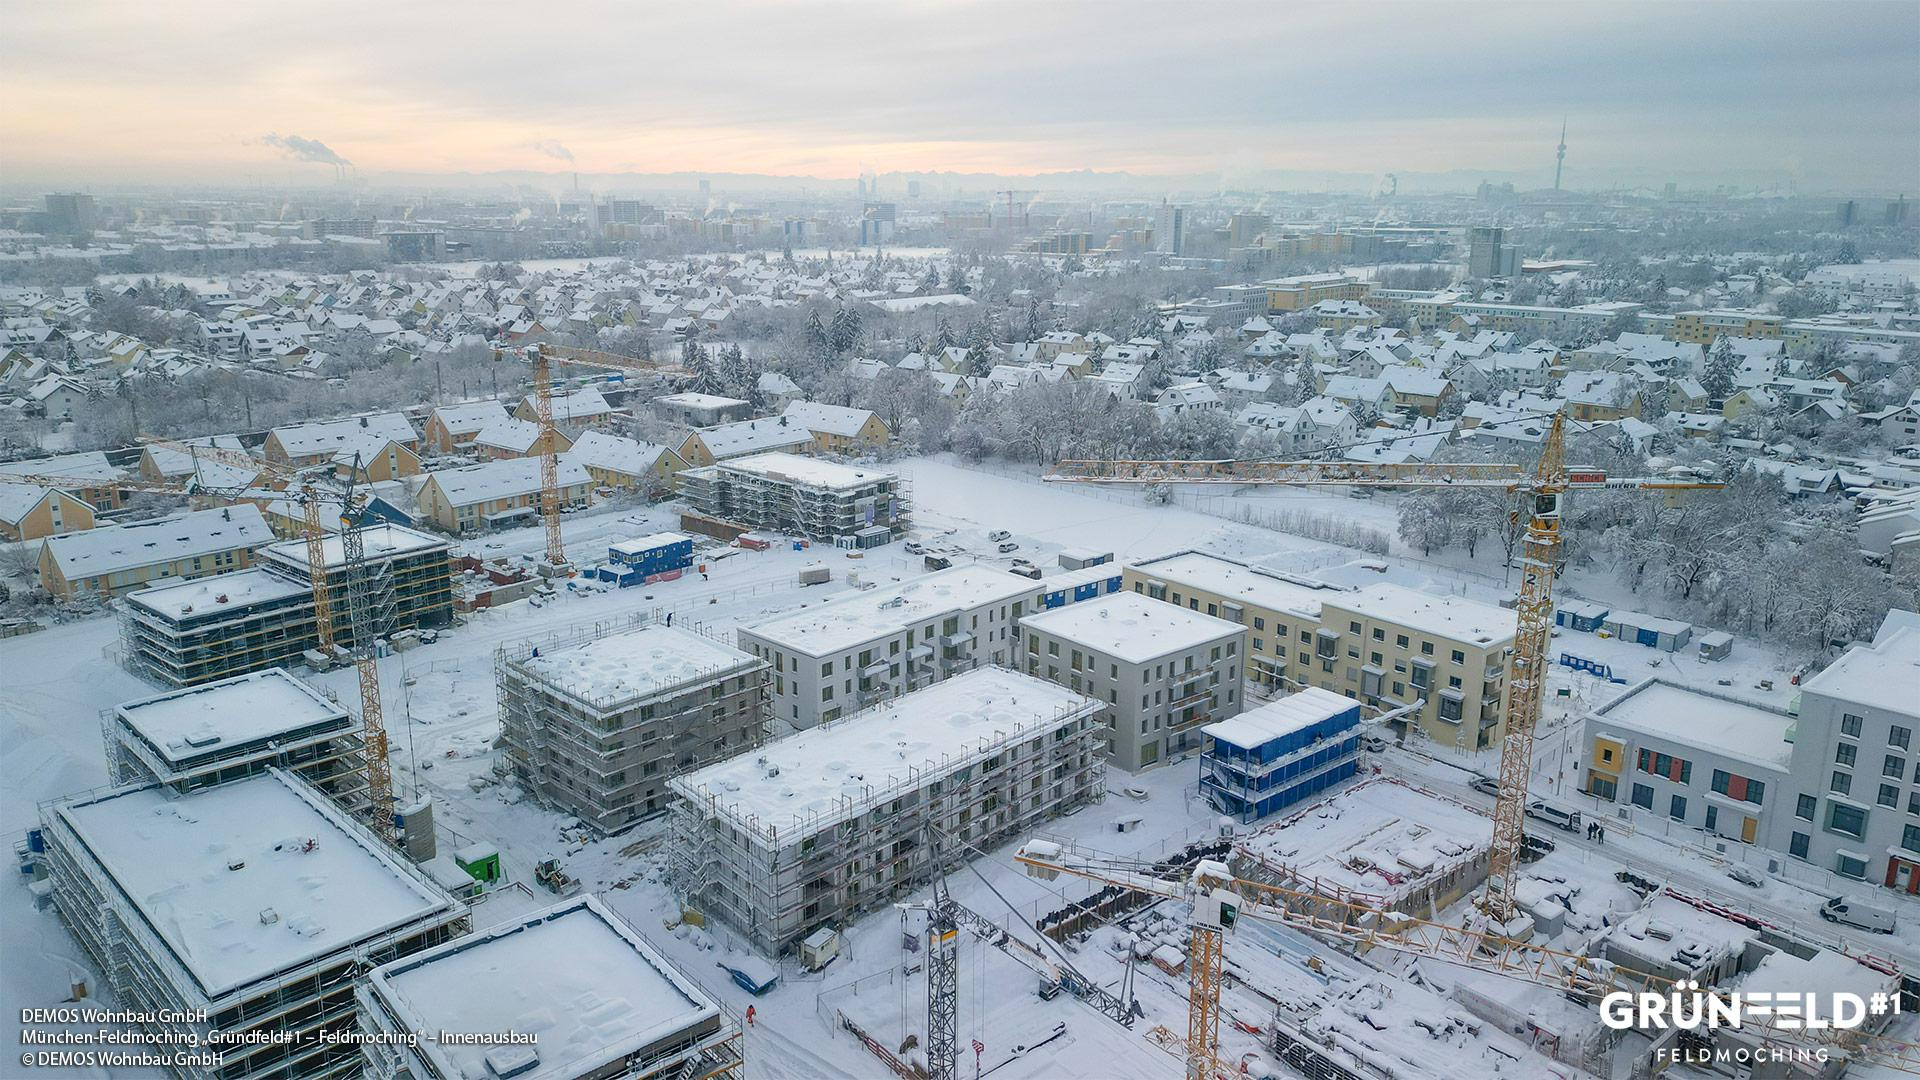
(1270,758)
(820,826)
(190,632)
(258,904)
(593,998)
(597,720)
(220,732)
(809,497)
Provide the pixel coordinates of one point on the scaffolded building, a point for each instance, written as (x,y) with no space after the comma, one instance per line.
(198,631)
(597,1001)
(824,824)
(258,901)
(810,497)
(235,728)
(597,721)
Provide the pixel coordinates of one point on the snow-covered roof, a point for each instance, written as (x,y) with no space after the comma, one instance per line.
(508,433)
(470,416)
(698,401)
(219,716)
(201,595)
(251,879)
(807,471)
(1882,675)
(327,436)
(1282,717)
(748,436)
(823,774)
(613,671)
(575,976)
(114,548)
(629,457)
(1129,627)
(831,419)
(866,616)
(504,479)
(1700,718)
(378,542)
(1242,583)
(89,465)
(584,403)
(1451,617)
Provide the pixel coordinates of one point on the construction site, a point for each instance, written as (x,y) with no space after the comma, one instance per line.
(820,500)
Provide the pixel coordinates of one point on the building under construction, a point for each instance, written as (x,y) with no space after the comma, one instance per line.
(193,632)
(817,827)
(597,1001)
(598,721)
(259,902)
(229,730)
(810,497)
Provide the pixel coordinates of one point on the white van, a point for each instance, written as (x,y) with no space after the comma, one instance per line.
(1842,909)
(1557,816)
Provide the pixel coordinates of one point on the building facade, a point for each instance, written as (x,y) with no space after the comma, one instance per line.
(820,500)
(598,725)
(1269,758)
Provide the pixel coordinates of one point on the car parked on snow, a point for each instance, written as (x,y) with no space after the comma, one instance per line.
(1485,785)
(1008,545)
(998,535)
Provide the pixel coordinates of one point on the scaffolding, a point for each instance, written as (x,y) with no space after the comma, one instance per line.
(768,500)
(777,881)
(606,755)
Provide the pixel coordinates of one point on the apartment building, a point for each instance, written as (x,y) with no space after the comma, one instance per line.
(28,512)
(1474,316)
(827,823)
(1164,672)
(497,493)
(599,1002)
(111,561)
(597,723)
(1269,758)
(854,651)
(1703,327)
(1305,290)
(237,728)
(821,500)
(256,904)
(192,632)
(1384,645)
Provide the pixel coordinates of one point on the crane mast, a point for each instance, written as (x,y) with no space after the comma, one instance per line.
(549,457)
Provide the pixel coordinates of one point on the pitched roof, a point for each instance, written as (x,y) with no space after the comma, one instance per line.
(502,479)
(125,547)
(831,419)
(326,436)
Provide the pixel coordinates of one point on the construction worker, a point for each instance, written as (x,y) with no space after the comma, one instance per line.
(749,1016)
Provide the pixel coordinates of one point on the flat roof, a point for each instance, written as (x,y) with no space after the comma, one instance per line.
(1241,583)
(329,885)
(649,542)
(700,401)
(814,777)
(1375,824)
(198,596)
(1451,617)
(575,976)
(635,664)
(875,613)
(379,541)
(206,719)
(1882,675)
(1281,717)
(1710,721)
(807,471)
(1128,626)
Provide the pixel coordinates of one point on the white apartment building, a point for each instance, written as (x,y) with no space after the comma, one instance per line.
(1164,672)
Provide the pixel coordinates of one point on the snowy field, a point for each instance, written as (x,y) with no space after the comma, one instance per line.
(442,717)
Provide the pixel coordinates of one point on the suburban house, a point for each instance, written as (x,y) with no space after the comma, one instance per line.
(765,435)
(837,430)
(110,561)
(579,408)
(451,428)
(621,463)
(511,437)
(28,512)
(316,443)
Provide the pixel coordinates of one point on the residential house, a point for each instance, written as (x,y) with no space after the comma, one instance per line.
(626,464)
(497,493)
(451,428)
(106,562)
(838,430)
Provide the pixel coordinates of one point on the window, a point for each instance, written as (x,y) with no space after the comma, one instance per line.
(1426,648)
(1713,816)
(1913,802)
(1804,806)
(826,670)
(1910,837)
(1676,769)
(1400,640)
(1841,784)
(1379,634)
(1354,627)
(1889,795)
(1850,820)
(1846,753)
(1459,657)
(1899,736)
(1643,796)
(1850,725)
(1797,845)
(1259,622)
(1894,766)
(1738,787)
(1677,808)
(1849,866)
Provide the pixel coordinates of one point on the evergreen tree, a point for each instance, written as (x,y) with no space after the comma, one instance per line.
(844,333)
(706,380)
(943,334)
(930,281)
(1033,320)
(1722,365)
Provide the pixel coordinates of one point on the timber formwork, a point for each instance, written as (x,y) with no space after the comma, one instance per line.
(776,884)
(274,1024)
(607,757)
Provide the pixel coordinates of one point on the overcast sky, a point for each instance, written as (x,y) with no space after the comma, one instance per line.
(1825,94)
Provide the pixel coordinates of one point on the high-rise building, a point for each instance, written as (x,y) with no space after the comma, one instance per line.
(1172,236)
(69,213)
(1487,253)
(1560,156)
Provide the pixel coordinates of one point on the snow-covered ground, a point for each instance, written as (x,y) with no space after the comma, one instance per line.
(441,713)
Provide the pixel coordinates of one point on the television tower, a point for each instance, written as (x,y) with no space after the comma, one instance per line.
(1560,159)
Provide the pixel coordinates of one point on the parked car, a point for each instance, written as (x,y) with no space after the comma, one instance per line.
(1559,817)
(998,535)
(938,562)
(1745,875)
(1842,909)
(1373,744)
(1026,570)
(1485,785)
(915,547)
(1008,545)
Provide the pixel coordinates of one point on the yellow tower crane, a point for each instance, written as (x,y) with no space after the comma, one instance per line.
(1542,488)
(540,359)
